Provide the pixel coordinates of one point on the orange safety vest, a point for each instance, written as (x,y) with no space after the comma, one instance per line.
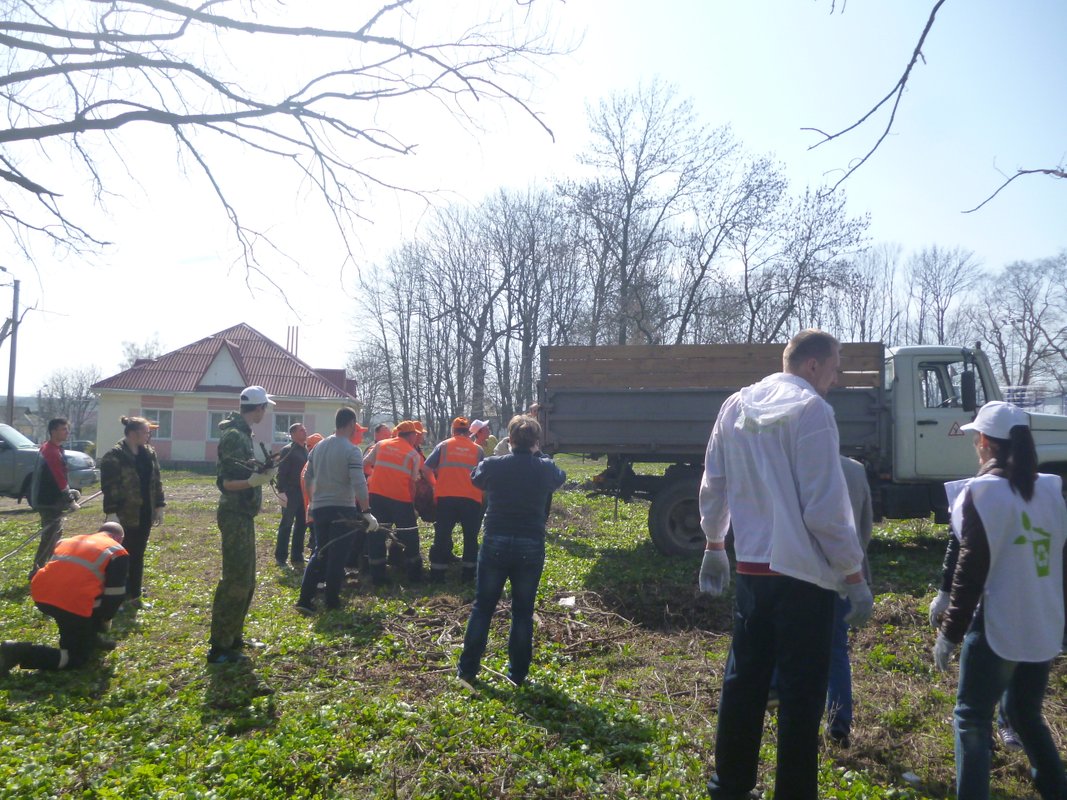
(74,578)
(458,456)
(303,490)
(395,468)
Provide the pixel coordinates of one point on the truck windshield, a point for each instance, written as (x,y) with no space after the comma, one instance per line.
(939,383)
(15,439)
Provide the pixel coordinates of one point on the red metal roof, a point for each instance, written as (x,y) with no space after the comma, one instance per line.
(259,361)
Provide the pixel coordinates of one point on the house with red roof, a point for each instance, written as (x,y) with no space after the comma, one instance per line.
(190,390)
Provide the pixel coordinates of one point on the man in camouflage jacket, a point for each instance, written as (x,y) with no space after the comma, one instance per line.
(240,500)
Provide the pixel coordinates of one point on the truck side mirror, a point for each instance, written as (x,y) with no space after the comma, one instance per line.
(967,390)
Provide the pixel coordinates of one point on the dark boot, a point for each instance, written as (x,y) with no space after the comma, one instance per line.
(415,571)
(468,574)
(378,575)
(12,654)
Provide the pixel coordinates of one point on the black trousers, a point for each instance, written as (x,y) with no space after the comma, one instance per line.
(401,517)
(294,522)
(136,542)
(77,635)
(450,511)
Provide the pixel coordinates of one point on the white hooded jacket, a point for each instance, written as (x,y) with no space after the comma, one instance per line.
(773,468)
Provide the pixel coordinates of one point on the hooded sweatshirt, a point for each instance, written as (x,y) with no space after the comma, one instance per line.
(773,469)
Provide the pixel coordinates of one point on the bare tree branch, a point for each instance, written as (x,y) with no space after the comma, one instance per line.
(895,94)
(1058,172)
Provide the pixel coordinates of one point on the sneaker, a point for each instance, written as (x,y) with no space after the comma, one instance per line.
(240,644)
(468,682)
(297,564)
(137,603)
(105,644)
(305,609)
(216,655)
(282,563)
(1009,738)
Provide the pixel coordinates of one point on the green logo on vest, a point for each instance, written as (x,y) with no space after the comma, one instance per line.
(1041,542)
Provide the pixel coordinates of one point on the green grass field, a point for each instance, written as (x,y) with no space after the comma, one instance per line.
(627,667)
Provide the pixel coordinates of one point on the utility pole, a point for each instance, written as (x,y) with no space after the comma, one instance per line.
(14,345)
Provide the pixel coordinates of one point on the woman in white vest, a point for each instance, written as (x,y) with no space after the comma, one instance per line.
(1007,600)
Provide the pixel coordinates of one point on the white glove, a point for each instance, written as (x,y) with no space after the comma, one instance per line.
(938,607)
(112,518)
(714,572)
(157,517)
(372,523)
(260,478)
(943,650)
(862,601)
(283,499)
(74,495)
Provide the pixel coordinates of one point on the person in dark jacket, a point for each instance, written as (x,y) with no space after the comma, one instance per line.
(1007,599)
(133,496)
(294,517)
(518,488)
(81,587)
(50,494)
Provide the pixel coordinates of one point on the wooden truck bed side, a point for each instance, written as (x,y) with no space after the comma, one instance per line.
(658,402)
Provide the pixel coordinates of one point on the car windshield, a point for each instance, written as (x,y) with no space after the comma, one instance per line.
(16,439)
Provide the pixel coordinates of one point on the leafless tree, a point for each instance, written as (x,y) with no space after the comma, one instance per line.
(132,352)
(1022,316)
(367,366)
(85,80)
(66,393)
(939,280)
(865,306)
(651,154)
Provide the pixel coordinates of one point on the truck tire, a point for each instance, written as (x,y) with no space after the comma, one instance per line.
(674,519)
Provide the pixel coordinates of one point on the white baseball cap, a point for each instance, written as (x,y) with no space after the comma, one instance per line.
(255,396)
(477,425)
(996,419)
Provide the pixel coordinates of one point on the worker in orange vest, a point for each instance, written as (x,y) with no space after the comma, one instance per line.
(382,431)
(458,500)
(81,587)
(396,465)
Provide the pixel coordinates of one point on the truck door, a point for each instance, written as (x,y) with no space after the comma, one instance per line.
(942,450)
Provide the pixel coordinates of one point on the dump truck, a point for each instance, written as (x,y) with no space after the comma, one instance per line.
(899,412)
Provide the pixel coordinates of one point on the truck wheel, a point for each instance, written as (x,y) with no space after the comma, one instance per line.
(674,520)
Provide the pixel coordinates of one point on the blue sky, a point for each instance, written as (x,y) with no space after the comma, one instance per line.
(989,97)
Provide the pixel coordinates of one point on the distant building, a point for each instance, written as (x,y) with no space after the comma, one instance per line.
(190,390)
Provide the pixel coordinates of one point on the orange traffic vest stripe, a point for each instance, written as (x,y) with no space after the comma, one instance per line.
(74,578)
(395,463)
(459,455)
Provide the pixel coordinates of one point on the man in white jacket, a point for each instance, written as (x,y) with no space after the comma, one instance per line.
(773,469)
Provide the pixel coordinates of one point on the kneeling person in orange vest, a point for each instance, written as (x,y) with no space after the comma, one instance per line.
(458,500)
(81,587)
(396,464)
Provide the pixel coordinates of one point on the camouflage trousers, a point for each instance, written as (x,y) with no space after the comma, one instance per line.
(233,594)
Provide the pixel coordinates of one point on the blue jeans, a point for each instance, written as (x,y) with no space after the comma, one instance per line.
(984,678)
(335,530)
(519,560)
(839,685)
(784,622)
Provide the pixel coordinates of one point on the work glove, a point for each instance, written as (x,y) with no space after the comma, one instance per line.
(372,523)
(714,572)
(283,499)
(74,495)
(862,602)
(260,478)
(112,518)
(943,650)
(938,607)
(157,517)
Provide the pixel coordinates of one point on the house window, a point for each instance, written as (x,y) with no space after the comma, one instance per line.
(282,423)
(213,420)
(162,417)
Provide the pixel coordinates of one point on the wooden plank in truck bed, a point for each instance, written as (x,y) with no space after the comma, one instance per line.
(720,366)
